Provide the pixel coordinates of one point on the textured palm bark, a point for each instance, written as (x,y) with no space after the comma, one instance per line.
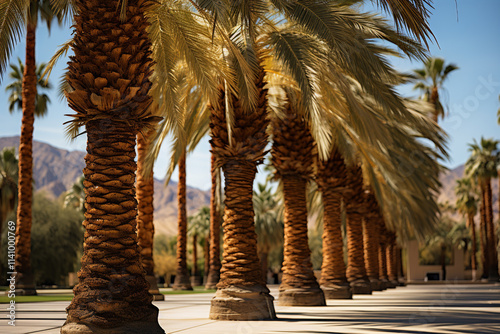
(399,266)
(25,283)
(292,155)
(215,222)
(145,209)
(434,98)
(392,268)
(371,239)
(331,179)
(112,289)
(109,89)
(195,256)
(382,257)
(241,293)
(491,234)
(299,286)
(484,235)
(356,270)
(473,259)
(182,280)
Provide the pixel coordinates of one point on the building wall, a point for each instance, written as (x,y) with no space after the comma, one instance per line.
(416,272)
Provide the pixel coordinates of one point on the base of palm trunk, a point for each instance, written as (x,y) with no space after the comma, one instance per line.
(401,282)
(301,297)
(391,284)
(394,283)
(376,285)
(153,288)
(182,282)
(337,291)
(242,303)
(384,283)
(25,285)
(148,325)
(212,280)
(361,287)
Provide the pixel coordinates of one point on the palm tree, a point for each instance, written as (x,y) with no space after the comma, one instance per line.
(199,230)
(8,183)
(482,165)
(331,179)
(382,257)
(268,223)
(392,265)
(16,17)
(16,100)
(371,239)
(430,80)
(292,157)
(114,106)
(467,205)
(354,199)
(75,197)
(145,210)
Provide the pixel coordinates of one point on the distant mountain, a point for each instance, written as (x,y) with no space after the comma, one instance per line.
(55,170)
(449,181)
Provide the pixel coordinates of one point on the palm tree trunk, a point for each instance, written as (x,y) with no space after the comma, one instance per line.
(399,264)
(484,235)
(473,261)
(491,235)
(382,258)
(240,275)
(333,273)
(112,293)
(298,286)
(206,258)
(182,279)
(145,209)
(239,153)
(434,98)
(356,271)
(371,243)
(392,268)
(25,283)
(215,222)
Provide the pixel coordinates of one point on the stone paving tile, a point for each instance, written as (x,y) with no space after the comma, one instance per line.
(415,309)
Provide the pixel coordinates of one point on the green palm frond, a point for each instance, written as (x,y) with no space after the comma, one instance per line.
(13,16)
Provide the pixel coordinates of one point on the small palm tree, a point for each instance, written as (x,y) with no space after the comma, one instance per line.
(199,231)
(430,81)
(268,223)
(75,197)
(482,166)
(466,204)
(8,183)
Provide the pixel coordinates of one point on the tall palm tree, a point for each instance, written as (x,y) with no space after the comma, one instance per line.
(114,106)
(482,165)
(355,210)
(17,16)
(8,183)
(17,98)
(430,81)
(331,179)
(466,204)
(145,210)
(392,266)
(268,223)
(292,157)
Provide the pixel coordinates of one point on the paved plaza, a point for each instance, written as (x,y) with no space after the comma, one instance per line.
(447,308)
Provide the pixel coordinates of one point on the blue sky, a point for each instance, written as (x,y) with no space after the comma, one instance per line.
(469,39)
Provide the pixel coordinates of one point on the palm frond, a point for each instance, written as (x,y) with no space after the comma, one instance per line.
(61,52)
(12,23)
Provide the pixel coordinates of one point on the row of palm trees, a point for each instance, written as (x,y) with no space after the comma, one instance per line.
(255,63)
(474,194)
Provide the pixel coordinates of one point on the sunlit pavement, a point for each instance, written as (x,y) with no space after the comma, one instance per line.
(449,308)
